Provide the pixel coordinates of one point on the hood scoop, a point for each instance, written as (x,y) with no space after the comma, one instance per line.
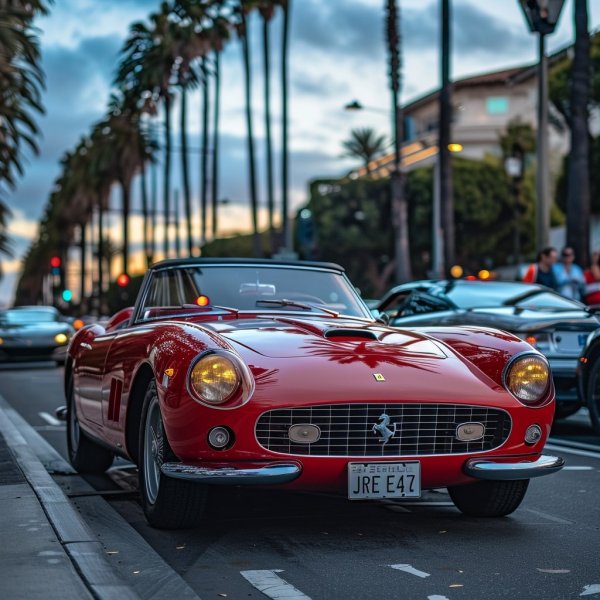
(347,332)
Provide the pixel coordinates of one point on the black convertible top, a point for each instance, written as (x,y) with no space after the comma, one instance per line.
(183,262)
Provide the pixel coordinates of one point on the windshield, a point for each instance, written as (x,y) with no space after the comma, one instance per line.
(255,287)
(25,317)
(523,296)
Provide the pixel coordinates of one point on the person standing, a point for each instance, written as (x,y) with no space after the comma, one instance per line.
(592,281)
(542,270)
(569,275)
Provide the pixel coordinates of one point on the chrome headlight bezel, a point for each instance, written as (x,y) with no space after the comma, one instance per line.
(240,392)
(535,393)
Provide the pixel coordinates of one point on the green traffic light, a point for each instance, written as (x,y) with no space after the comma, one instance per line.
(67,295)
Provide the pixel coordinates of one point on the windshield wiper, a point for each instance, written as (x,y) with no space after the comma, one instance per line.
(292,303)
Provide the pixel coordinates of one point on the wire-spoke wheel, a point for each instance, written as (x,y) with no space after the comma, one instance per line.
(168,503)
(85,455)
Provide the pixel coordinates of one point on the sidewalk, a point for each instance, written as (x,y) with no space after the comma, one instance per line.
(47,551)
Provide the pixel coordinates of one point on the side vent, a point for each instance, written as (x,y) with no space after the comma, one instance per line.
(114,400)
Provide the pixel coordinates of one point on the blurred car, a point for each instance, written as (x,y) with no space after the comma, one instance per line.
(557,326)
(274,373)
(34,333)
(588,378)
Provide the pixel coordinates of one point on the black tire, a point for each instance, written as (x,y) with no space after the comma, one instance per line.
(85,455)
(489,498)
(566,409)
(168,503)
(593,396)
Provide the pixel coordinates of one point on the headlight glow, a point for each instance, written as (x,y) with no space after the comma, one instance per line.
(61,338)
(527,378)
(214,379)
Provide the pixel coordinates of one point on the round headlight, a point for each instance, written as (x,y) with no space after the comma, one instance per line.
(214,379)
(61,338)
(527,378)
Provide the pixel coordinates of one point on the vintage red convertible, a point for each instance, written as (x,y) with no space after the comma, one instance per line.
(272,373)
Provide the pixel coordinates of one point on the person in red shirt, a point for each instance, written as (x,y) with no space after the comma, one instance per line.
(542,271)
(592,281)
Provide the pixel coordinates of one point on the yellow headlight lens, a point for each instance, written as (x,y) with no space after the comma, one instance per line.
(61,338)
(214,379)
(528,379)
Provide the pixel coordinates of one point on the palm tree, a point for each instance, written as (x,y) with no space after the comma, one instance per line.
(399,203)
(578,196)
(267,10)
(286,5)
(21,80)
(147,64)
(364,144)
(242,30)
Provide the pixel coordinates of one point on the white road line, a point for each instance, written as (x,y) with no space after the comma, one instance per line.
(588,590)
(564,449)
(436,597)
(50,419)
(273,586)
(578,468)
(410,569)
(544,515)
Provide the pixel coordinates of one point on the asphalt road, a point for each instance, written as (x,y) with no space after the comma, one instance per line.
(257,544)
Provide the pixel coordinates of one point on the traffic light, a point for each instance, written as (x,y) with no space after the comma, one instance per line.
(55,262)
(67,295)
(123,280)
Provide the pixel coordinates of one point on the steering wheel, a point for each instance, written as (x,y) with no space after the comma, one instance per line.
(299,296)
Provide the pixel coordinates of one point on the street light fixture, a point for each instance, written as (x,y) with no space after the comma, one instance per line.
(542,17)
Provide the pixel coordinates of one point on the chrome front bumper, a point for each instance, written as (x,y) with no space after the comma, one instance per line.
(227,475)
(503,471)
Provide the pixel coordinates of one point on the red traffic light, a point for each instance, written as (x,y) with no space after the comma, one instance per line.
(123,280)
(55,262)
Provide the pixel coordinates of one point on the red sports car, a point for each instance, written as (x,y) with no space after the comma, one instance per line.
(271,373)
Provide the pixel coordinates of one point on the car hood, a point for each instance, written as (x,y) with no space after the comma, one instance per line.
(516,319)
(292,338)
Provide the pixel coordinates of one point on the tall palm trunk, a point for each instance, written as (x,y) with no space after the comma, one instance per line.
(399,204)
(445,171)
(185,177)
(578,195)
(145,216)
(285,225)
(251,161)
(153,208)
(126,203)
(269,149)
(204,148)
(215,153)
(82,259)
(100,255)
(167,174)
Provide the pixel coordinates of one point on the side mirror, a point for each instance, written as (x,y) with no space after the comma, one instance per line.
(380,317)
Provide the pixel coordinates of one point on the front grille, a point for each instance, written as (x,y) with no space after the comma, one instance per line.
(347,429)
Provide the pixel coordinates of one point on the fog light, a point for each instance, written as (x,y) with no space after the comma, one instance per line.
(219,437)
(533,434)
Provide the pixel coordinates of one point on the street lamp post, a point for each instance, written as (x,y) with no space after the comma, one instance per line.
(542,17)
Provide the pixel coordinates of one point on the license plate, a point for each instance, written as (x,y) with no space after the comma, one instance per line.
(384,480)
(570,341)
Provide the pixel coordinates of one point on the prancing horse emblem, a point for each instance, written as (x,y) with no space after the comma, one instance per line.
(381,429)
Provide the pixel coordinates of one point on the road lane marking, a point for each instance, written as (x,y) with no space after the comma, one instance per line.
(410,569)
(50,419)
(436,597)
(273,586)
(588,590)
(544,515)
(567,450)
(578,468)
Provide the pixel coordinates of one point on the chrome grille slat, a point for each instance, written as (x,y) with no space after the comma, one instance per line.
(346,429)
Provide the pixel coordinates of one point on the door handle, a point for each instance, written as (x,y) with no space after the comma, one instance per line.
(86,346)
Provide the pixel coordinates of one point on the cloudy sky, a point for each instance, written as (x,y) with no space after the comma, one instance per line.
(337,54)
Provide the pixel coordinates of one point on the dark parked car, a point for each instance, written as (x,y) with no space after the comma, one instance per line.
(556,326)
(588,378)
(34,333)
